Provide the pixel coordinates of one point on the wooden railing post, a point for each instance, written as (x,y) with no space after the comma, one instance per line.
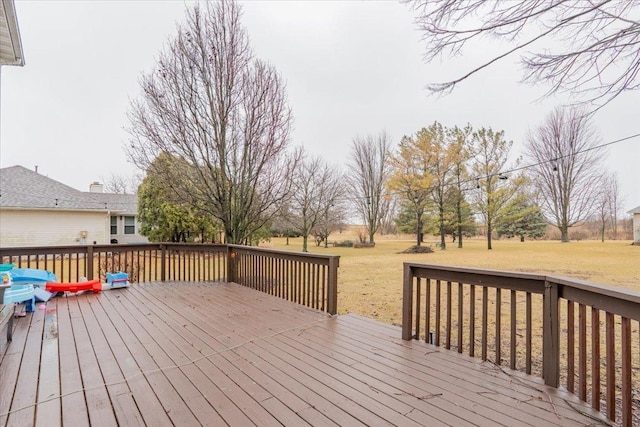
(231,264)
(163,262)
(407,303)
(332,286)
(551,336)
(89,262)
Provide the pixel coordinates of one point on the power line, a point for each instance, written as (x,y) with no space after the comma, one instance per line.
(112,204)
(505,172)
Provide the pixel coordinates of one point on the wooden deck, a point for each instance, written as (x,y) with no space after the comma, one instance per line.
(216,353)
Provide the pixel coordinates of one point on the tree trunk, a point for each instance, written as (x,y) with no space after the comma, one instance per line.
(459,212)
(489,230)
(522,237)
(418,232)
(304,243)
(564,234)
(443,242)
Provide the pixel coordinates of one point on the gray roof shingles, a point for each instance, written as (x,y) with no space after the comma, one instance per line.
(25,189)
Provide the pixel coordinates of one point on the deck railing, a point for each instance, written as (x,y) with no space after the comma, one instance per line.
(307,279)
(572,333)
(304,278)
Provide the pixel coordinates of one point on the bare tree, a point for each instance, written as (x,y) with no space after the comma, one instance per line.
(585,48)
(120,184)
(332,218)
(316,186)
(212,103)
(614,199)
(606,204)
(567,167)
(495,190)
(369,173)
(601,206)
(388,224)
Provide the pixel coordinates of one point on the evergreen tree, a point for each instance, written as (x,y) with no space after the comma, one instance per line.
(523,220)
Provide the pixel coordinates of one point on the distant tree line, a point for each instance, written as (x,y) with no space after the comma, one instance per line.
(211,131)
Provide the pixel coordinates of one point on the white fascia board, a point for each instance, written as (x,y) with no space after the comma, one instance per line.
(12,53)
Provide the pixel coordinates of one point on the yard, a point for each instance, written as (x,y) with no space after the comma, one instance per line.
(370,279)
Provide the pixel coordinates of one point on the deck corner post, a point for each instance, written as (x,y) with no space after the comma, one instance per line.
(332,286)
(551,335)
(89,262)
(407,303)
(163,263)
(231,264)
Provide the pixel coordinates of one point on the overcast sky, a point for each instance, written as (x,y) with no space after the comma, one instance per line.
(352,68)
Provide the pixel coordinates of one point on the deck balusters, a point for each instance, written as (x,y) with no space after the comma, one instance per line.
(485,321)
(449,310)
(571,372)
(582,352)
(512,342)
(563,319)
(595,358)
(460,319)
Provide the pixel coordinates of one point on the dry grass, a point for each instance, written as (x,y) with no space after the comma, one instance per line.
(370,280)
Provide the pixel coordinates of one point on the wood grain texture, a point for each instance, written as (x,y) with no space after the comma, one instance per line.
(223,354)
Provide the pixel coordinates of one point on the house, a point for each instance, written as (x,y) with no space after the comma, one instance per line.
(636,224)
(39,211)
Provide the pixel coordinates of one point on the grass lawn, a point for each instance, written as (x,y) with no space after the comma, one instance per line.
(370,279)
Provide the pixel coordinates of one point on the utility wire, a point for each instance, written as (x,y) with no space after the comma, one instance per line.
(112,205)
(502,173)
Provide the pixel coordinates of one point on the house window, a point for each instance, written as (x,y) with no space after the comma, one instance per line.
(129,225)
(114,225)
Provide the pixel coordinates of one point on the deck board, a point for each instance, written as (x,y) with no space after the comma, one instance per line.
(27,385)
(94,389)
(49,412)
(74,410)
(218,353)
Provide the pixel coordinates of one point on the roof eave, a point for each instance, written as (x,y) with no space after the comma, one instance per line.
(62,209)
(15,55)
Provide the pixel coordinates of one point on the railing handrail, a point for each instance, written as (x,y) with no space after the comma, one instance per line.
(66,249)
(517,281)
(182,261)
(324,258)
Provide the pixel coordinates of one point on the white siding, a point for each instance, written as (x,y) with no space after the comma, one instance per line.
(52,228)
(127,238)
(636,227)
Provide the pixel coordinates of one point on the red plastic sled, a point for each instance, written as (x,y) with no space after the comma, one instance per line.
(91,285)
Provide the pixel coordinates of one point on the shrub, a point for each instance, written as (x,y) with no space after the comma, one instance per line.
(364,245)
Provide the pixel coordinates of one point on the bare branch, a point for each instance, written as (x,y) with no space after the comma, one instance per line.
(369,173)
(591,49)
